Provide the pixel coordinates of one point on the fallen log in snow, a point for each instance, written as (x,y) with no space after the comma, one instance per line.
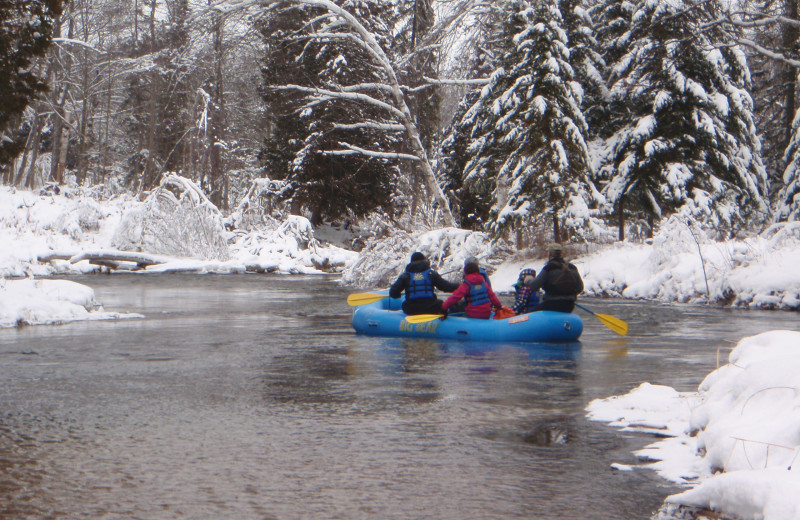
(117,259)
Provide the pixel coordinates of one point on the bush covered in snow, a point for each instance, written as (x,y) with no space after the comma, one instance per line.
(176,219)
(684,264)
(383,259)
(289,247)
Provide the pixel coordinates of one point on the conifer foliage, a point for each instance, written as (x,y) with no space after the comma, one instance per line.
(309,126)
(690,142)
(26,30)
(528,130)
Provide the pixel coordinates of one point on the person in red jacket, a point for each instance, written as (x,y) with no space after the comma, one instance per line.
(481,299)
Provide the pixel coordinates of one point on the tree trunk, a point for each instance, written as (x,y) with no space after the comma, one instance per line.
(30,178)
(219,185)
(84,122)
(26,153)
(152,123)
(556,228)
(790,37)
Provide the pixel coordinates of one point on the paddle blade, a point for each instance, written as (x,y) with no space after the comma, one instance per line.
(613,323)
(423,318)
(356,299)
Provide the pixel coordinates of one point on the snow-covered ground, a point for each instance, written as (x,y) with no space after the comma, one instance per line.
(735,443)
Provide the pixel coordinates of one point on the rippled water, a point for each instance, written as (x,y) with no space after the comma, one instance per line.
(249,397)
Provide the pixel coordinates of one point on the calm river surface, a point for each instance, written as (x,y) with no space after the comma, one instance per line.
(250,397)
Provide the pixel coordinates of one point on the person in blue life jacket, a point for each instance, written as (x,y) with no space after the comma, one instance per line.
(561,281)
(526,299)
(419,282)
(479,295)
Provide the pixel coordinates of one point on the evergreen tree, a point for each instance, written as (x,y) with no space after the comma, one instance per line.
(775,82)
(26,29)
(691,140)
(587,62)
(413,20)
(528,130)
(612,30)
(471,207)
(788,203)
(480,54)
(305,129)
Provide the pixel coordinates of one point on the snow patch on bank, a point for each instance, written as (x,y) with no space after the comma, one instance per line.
(736,441)
(38,302)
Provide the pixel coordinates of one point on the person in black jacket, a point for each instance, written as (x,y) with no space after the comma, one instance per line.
(561,281)
(419,281)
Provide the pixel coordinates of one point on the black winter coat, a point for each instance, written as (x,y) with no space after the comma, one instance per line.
(560,280)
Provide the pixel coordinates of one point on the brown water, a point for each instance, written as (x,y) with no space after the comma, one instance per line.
(249,397)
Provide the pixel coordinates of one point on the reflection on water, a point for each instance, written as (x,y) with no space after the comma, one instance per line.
(249,397)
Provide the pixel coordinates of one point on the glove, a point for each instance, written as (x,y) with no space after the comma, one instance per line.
(444,315)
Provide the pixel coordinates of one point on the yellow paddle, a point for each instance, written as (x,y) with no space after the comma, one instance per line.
(612,322)
(423,318)
(363,298)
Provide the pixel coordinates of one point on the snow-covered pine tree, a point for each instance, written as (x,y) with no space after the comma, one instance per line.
(528,130)
(691,143)
(477,57)
(586,60)
(788,203)
(776,88)
(612,30)
(412,22)
(307,125)
(26,30)
(471,208)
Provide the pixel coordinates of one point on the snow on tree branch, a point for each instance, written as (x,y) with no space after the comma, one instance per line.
(353,150)
(768,53)
(370,124)
(477,81)
(325,95)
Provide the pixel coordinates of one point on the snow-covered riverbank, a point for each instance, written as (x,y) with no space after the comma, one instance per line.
(735,443)
(679,265)
(40,233)
(40,302)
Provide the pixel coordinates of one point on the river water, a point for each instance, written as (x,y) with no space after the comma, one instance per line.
(250,397)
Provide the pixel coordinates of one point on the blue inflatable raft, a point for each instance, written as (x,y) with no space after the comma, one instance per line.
(384,318)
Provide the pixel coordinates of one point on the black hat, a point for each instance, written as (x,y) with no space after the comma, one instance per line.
(471,265)
(416,257)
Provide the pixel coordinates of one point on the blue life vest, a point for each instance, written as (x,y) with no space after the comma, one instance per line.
(478,294)
(420,286)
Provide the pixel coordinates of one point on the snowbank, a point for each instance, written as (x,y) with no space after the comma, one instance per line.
(41,233)
(680,264)
(736,441)
(37,302)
